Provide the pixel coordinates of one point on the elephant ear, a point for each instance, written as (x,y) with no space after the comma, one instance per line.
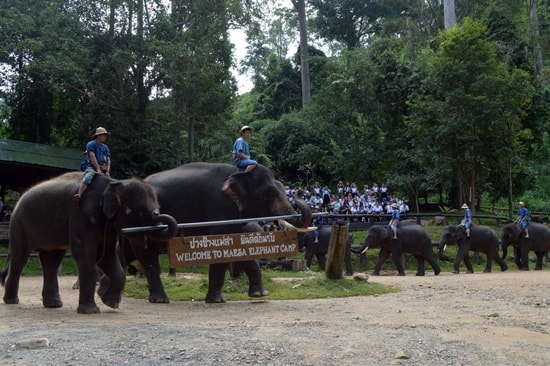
(385,233)
(111,200)
(460,233)
(235,187)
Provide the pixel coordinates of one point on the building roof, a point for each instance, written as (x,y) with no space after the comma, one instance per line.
(23,164)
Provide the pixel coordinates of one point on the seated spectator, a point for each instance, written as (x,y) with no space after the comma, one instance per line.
(340,189)
(354,190)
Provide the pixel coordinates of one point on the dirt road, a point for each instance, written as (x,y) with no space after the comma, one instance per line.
(465,319)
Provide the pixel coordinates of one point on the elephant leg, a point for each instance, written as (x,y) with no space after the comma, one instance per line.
(538,265)
(384,254)
(468,263)
(517,257)
(421,271)
(148,257)
(254,274)
(11,287)
(498,259)
(309,257)
(321,260)
(525,254)
(216,279)
(398,257)
(433,263)
(51,260)
(489,265)
(85,254)
(458,259)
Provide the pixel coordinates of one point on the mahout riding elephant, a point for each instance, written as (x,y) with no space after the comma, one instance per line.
(412,238)
(199,192)
(482,239)
(320,249)
(47,220)
(538,242)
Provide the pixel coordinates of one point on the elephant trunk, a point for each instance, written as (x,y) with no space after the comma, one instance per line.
(441,248)
(504,250)
(362,249)
(304,210)
(169,232)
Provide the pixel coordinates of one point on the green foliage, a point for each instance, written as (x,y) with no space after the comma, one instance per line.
(281,285)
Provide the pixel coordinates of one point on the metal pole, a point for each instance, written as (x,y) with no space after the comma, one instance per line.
(214,223)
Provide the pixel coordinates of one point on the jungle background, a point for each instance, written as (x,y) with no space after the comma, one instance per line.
(446,97)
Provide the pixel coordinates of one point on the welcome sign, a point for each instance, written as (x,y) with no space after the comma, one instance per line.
(207,249)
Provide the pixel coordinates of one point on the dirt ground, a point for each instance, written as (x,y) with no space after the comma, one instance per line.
(465,319)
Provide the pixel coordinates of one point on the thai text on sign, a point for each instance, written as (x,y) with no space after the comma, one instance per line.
(207,249)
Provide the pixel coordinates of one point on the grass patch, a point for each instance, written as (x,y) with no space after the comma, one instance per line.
(281,285)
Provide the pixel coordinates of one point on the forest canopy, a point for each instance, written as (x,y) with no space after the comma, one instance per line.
(354,90)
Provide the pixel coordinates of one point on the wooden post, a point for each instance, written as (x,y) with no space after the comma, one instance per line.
(337,250)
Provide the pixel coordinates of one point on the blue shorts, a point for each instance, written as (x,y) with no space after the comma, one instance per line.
(525,224)
(89,174)
(243,163)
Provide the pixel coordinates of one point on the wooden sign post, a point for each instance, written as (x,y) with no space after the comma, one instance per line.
(207,249)
(337,250)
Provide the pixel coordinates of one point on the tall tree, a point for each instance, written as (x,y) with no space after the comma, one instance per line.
(449,13)
(472,107)
(300,7)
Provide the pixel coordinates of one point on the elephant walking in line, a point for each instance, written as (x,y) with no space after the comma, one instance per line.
(47,220)
(482,239)
(538,242)
(412,239)
(199,192)
(320,249)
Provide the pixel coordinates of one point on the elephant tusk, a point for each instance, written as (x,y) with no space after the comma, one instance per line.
(364,250)
(289,226)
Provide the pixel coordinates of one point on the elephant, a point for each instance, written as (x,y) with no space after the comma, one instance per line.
(482,239)
(199,192)
(47,220)
(538,241)
(320,249)
(412,239)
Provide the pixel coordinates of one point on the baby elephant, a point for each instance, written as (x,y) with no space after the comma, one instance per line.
(482,239)
(412,239)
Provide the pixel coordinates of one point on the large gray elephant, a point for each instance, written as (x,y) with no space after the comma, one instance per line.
(538,242)
(412,239)
(47,220)
(482,239)
(199,192)
(320,249)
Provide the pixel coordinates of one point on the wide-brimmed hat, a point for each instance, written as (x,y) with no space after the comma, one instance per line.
(100,131)
(394,205)
(521,203)
(244,128)
(464,206)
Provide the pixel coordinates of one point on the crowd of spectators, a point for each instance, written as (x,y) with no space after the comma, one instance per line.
(348,199)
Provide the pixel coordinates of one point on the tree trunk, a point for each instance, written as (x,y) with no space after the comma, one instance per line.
(449,13)
(300,7)
(534,35)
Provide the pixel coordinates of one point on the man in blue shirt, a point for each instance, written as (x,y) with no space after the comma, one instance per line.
(467,219)
(241,153)
(394,222)
(98,162)
(523,219)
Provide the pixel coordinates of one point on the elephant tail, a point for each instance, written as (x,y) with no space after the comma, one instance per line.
(4,272)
